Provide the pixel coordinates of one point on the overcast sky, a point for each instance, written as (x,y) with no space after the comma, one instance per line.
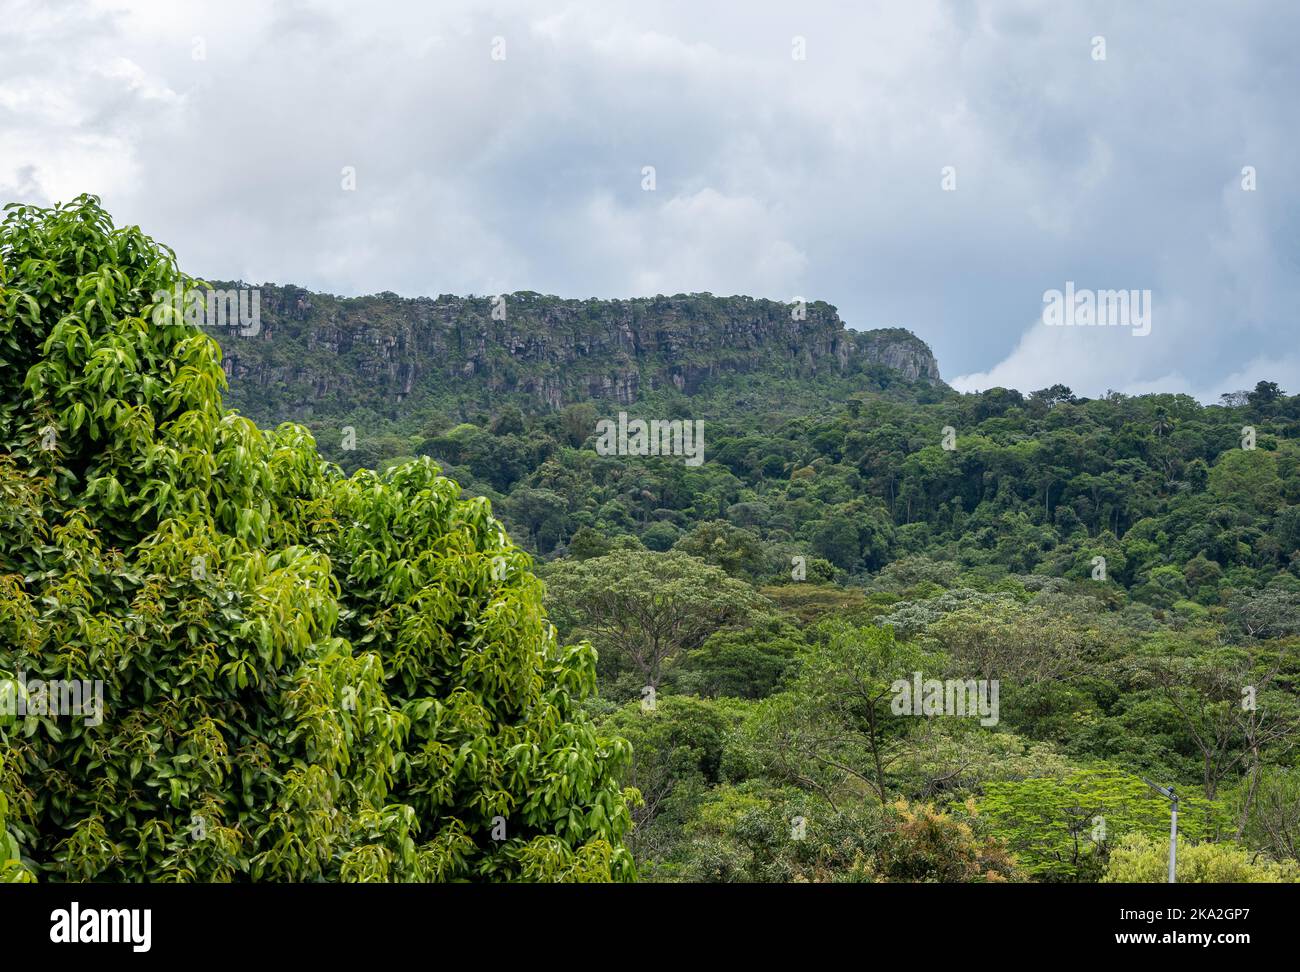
(501,146)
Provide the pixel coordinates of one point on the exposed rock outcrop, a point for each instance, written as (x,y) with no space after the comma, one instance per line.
(312,349)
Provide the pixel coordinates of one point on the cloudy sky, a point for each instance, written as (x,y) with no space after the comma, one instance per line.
(501,146)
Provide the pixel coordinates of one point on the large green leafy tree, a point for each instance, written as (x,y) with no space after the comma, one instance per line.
(1062,828)
(305,677)
(648,608)
(835,730)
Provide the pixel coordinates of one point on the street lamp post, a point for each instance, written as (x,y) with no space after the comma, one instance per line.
(1172,797)
(1173,836)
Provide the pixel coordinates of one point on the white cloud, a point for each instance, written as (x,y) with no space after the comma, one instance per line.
(775,176)
(703,241)
(1090,360)
(1284,370)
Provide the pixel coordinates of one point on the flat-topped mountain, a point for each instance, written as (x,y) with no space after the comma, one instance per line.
(316,354)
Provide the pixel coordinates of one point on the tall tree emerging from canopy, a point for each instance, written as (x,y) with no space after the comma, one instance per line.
(304,677)
(648,608)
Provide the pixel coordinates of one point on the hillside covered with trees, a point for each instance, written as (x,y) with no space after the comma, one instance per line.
(1126,568)
(395,616)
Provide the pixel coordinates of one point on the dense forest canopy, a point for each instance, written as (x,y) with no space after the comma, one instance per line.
(767,646)
(1126,569)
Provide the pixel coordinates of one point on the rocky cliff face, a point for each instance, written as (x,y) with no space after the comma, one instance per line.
(315,350)
(901,350)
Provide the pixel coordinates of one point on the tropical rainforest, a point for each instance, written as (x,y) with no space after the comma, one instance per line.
(368,604)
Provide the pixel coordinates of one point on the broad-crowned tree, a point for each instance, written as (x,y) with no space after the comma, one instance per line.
(647,608)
